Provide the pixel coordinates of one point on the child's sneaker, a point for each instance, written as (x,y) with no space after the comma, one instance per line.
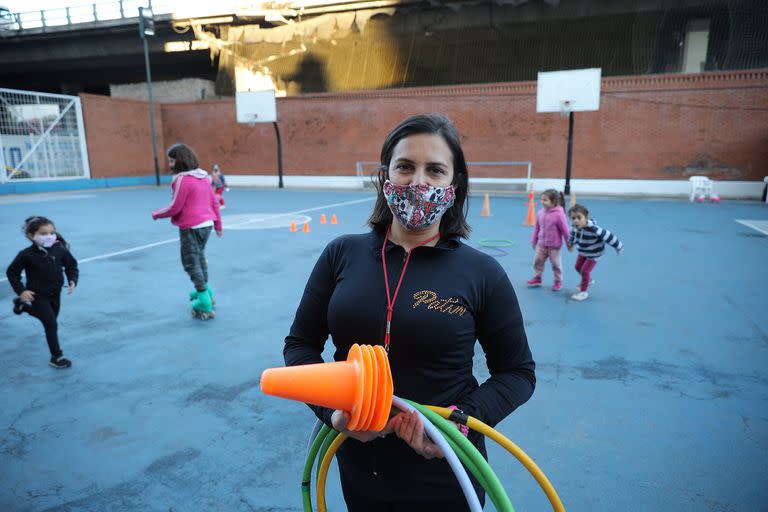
(18,306)
(557,286)
(534,281)
(60,362)
(580,296)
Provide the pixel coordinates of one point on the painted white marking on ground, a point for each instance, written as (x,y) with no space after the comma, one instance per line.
(39,198)
(757,225)
(262,221)
(233,226)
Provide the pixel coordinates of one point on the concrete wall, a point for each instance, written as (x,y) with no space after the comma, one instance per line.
(119,136)
(658,127)
(168,91)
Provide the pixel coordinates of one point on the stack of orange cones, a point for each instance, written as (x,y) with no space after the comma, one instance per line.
(322,219)
(293,226)
(361,386)
(333,219)
(530,218)
(486,211)
(305,228)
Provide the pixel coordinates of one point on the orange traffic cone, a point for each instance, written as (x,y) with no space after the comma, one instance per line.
(361,385)
(486,211)
(293,226)
(530,218)
(333,219)
(322,219)
(305,228)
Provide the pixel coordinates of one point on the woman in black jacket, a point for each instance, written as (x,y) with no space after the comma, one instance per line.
(40,296)
(411,285)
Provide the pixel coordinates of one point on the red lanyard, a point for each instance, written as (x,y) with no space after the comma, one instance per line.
(391,301)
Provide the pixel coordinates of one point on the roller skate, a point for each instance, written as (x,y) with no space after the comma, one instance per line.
(193,295)
(202,307)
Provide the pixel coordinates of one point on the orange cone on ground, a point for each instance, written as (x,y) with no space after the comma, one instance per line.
(530,218)
(333,219)
(305,228)
(293,226)
(361,385)
(323,219)
(486,211)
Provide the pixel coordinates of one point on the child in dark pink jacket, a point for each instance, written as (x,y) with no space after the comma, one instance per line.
(195,210)
(548,234)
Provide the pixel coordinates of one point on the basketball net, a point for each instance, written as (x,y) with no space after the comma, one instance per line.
(565,108)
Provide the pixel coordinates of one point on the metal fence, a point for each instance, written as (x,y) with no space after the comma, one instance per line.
(42,136)
(83,13)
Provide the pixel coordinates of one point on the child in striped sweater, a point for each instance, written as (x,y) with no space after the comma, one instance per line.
(590,239)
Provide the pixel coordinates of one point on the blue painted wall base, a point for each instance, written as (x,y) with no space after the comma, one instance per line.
(33,187)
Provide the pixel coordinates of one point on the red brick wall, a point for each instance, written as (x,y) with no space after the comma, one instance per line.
(648,127)
(119,136)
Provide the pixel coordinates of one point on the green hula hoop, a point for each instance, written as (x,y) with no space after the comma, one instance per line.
(495,242)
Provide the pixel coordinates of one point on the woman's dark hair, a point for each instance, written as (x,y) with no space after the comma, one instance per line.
(35,222)
(577,208)
(555,196)
(185,158)
(454,221)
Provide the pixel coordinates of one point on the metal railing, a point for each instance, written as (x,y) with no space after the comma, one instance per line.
(78,14)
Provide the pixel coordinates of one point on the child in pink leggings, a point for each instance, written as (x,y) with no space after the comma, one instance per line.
(550,230)
(590,239)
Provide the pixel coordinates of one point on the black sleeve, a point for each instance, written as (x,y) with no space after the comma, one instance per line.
(70,267)
(306,339)
(501,333)
(13,273)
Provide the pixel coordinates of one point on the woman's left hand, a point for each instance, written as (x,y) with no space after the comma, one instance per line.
(409,428)
(71,287)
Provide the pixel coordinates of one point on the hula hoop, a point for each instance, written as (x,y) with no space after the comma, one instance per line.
(495,242)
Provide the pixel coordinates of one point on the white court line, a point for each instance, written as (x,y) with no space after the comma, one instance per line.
(755,224)
(171,240)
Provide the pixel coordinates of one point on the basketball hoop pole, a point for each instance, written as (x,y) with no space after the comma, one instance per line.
(567,190)
(279,156)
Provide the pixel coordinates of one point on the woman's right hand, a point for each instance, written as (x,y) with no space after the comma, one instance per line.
(27,296)
(340,420)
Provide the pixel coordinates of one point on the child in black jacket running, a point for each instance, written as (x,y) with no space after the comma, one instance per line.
(40,296)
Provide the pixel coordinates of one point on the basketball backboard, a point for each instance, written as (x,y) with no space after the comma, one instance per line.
(577,90)
(256,106)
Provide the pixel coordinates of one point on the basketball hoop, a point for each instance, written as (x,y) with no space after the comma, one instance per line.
(565,108)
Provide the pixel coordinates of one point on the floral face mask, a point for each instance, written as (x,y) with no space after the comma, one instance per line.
(418,206)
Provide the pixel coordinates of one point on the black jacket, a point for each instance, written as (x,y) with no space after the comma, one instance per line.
(43,269)
(451,296)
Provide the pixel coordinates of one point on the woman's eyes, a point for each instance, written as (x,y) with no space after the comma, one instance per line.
(408,167)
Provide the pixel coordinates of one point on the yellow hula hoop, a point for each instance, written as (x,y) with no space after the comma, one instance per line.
(515,450)
(323,472)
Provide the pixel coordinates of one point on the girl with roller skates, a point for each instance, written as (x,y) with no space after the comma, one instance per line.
(195,210)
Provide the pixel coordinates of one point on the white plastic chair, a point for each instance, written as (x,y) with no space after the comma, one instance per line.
(700,186)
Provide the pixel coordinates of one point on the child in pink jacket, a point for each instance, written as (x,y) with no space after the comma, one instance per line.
(195,210)
(548,234)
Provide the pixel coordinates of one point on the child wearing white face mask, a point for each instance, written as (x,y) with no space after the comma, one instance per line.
(42,264)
